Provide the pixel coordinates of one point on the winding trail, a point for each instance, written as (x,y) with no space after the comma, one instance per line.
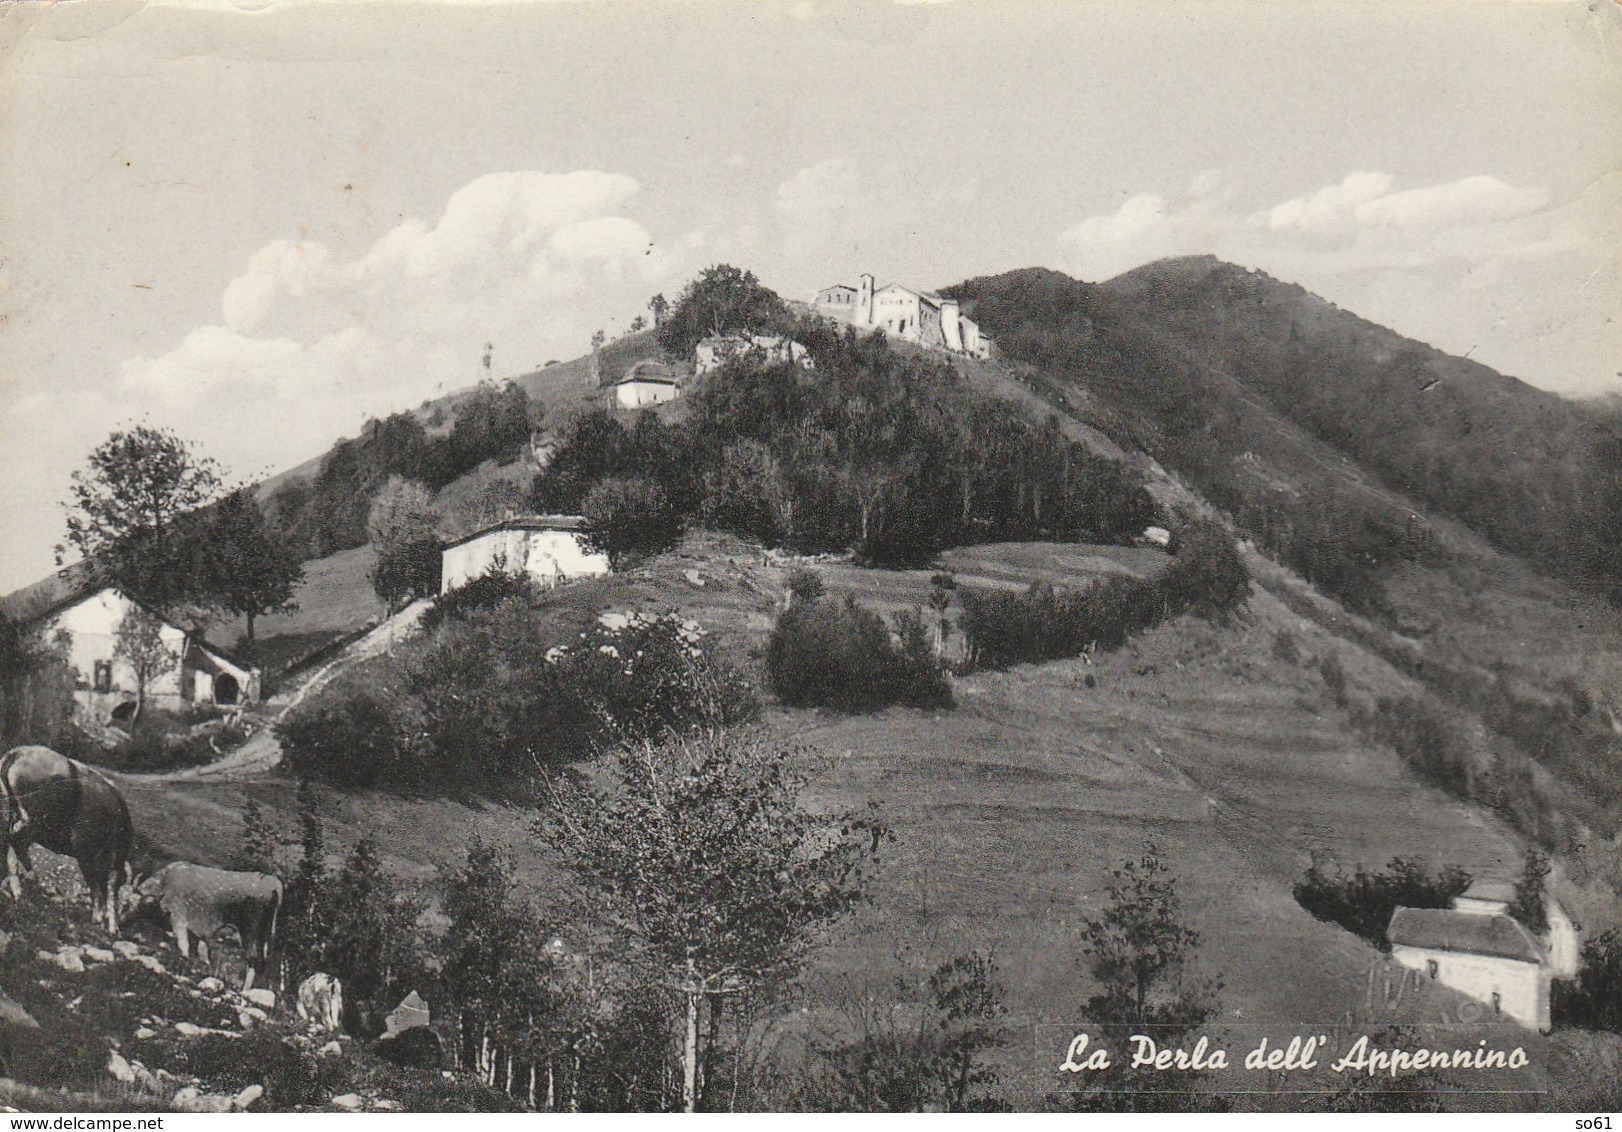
(262,752)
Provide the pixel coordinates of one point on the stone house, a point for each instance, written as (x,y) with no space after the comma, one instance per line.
(915,316)
(85,619)
(648,383)
(549,548)
(1478,949)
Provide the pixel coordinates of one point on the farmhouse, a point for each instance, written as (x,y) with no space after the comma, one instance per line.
(714,352)
(549,548)
(648,383)
(916,316)
(85,618)
(1478,949)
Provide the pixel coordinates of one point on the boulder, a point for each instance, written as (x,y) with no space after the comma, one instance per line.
(149,963)
(411,1013)
(127,948)
(349,1102)
(211,985)
(247,1096)
(190,1099)
(68,959)
(261,996)
(12,1014)
(416,1048)
(146,1032)
(331,1049)
(98,955)
(119,1069)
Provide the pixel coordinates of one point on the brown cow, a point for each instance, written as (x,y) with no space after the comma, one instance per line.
(60,804)
(201,901)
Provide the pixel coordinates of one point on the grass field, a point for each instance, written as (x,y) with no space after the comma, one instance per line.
(1010,811)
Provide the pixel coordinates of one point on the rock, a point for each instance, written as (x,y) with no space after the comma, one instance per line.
(187,1030)
(145,1078)
(321,1001)
(331,1049)
(261,996)
(98,955)
(146,1032)
(416,1048)
(694,578)
(12,1014)
(190,1100)
(349,1102)
(149,963)
(119,1069)
(211,985)
(411,1013)
(69,960)
(386,1106)
(127,948)
(247,1096)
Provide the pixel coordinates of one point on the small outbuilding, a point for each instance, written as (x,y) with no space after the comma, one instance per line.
(548,548)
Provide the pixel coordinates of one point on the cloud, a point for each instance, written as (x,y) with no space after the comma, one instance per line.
(520,259)
(1365,201)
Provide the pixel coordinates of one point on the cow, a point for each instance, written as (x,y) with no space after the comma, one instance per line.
(201,901)
(60,804)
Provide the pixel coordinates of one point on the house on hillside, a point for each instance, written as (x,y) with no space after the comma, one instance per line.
(714,352)
(648,382)
(1478,949)
(915,316)
(85,616)
(549,548)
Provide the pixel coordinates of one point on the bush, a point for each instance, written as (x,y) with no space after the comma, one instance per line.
(1207,578)
(627,518)
(836,654)
(488,589)
(357,732)
(1363,902)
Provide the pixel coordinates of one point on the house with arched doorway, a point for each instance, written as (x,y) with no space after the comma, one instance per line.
(85,621)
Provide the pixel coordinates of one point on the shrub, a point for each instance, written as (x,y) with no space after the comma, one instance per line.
(1207,578)
(1363,902)
(836,654)
(357,732)
(488,589)
(626,518)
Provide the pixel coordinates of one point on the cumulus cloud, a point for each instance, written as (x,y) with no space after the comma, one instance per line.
(520,259)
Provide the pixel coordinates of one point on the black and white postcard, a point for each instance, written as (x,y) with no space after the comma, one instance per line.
(656,556)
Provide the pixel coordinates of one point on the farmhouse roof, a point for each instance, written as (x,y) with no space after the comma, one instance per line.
(524,523)
(1442,929)
(50,594)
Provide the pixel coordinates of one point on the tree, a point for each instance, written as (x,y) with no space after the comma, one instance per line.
(702,858)
(260,841)
(1529,906)
(658,306)
(252,570)
(1138,947)
(127,504)
(139,643)
(638,323)
(402,526)
(722,300)
(627,517)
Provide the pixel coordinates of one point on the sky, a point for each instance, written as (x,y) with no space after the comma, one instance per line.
(259,224)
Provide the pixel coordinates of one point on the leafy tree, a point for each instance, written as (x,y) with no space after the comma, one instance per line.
(1529,906)
(402,526)
(1138,947)
(139,643)
(715,877)
(630,517)
(722,300)
(658,306)
(371,932)
(638,323)
(933,1057)
(36,688)
(253,570)
(1599,982)
(127,507)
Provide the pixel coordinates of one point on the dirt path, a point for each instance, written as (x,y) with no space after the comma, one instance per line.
(262,752)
